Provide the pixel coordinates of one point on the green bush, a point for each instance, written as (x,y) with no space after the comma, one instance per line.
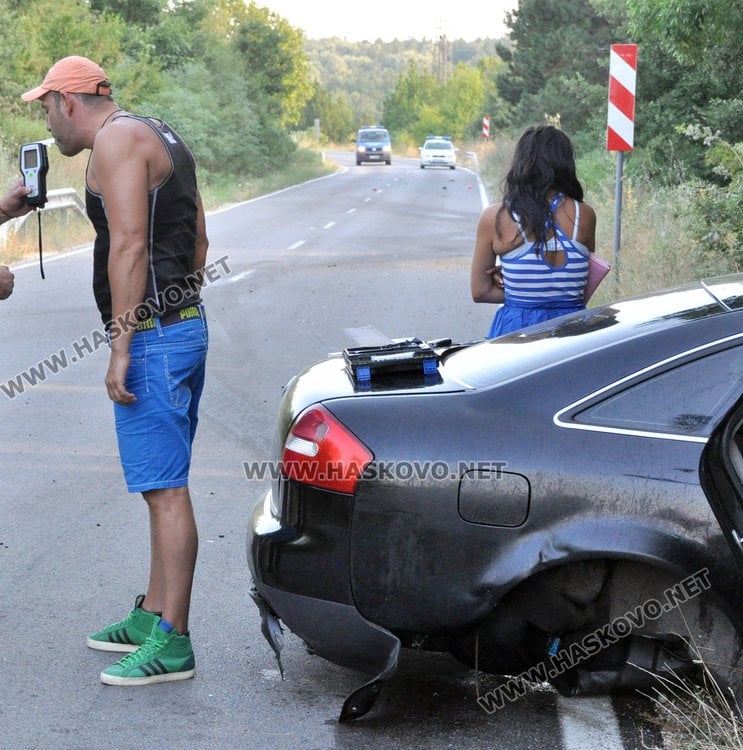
(227,133)
(716,212)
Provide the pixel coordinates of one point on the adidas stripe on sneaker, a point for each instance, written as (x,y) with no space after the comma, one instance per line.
(164,657)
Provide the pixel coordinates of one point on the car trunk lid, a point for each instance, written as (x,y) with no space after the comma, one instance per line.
(336,378)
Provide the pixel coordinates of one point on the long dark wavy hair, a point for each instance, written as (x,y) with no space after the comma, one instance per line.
(543,162)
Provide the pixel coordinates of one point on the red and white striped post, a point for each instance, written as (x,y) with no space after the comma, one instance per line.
(485,128)
(620,131)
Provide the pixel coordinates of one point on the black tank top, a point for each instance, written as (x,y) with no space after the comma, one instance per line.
(171,281)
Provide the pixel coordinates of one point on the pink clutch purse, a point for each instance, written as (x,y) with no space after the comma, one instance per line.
(597,269)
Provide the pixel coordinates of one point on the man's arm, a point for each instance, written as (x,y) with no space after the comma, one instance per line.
(120,168)
(202,242)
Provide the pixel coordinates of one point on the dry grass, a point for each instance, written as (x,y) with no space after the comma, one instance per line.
(697,716)
(655,247)
(60,231)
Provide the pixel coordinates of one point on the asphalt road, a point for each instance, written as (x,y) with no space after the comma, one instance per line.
(371,251)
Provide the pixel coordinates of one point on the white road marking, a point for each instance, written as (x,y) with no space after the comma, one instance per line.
(296,245)
(51,258)
(232,279)
(588,723)
(367,336)
(329,224)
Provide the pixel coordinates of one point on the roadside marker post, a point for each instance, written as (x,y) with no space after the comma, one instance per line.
(620,131)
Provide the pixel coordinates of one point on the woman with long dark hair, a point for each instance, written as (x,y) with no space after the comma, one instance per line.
(542,231)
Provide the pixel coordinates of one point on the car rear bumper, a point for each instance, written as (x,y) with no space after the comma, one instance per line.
(318,621)
(363,646)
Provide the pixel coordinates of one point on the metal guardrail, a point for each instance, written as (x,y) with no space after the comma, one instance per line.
(64,199)
(471,158)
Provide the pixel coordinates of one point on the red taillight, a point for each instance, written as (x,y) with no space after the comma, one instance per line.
(322,452)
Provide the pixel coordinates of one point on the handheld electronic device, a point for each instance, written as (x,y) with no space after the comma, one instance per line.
(34,166)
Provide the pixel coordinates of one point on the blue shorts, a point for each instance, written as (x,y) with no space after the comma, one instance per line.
(512,317)
(155,433)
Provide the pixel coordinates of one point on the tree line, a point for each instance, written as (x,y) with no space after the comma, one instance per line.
(232,78)
(238,78)
(239,82)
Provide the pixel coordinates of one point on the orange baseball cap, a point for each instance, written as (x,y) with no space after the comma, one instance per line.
(73,75)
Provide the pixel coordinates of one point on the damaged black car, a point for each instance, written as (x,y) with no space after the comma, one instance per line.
(562,503)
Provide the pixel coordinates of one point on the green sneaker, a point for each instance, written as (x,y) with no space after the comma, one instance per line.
(128,634)
(164,657)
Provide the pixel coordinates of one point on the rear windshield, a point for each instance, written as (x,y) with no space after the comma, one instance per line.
(545,344)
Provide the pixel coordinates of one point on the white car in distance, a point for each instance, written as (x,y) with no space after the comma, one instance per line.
(438,151)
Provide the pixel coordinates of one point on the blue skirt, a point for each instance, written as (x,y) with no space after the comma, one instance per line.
(512,317)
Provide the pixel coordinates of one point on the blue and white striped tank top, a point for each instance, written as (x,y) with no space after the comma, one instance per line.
(530,281)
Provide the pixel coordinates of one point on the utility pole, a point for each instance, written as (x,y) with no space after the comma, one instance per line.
(442,57)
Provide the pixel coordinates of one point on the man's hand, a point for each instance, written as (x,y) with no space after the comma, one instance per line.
(118,366)
(6,282)
(13,204)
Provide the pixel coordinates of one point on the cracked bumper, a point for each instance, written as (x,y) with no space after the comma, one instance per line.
(332,629)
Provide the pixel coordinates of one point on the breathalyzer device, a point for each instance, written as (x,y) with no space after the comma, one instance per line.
(34,166)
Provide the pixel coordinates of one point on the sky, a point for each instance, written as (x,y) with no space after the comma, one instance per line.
(394,19)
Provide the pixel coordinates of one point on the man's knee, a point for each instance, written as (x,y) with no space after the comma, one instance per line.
(167,496)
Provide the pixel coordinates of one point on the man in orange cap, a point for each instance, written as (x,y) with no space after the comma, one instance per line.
(148,260)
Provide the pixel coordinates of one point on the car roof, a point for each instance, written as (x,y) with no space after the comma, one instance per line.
(655,317)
